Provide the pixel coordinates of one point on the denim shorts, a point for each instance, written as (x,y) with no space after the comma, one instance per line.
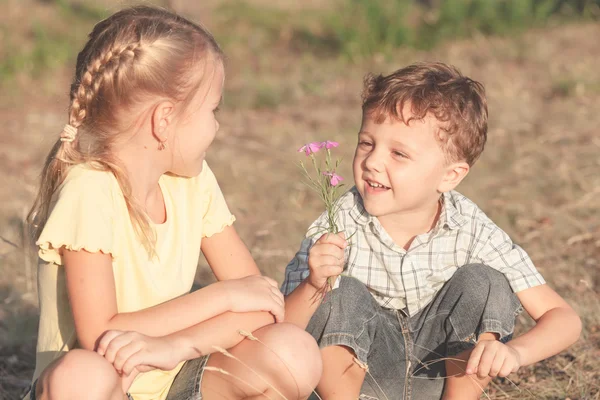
(186,386)
(188,382)
(403,353)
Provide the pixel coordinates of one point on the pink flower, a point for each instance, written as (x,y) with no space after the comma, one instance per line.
(328,144)
(335,178)
(310,148)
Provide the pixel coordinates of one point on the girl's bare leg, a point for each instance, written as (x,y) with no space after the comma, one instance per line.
(291,364)
(80,374)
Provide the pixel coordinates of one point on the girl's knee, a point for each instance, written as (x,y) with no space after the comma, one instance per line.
(299,354)
(80,374)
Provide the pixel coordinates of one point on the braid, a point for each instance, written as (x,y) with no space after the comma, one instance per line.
(135,52)
(102,70)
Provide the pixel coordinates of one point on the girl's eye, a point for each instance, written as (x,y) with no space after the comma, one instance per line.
(364,143)
(216,110)
(399,154)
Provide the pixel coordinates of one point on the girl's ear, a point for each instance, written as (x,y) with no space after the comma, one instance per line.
(455,173)
(162,118)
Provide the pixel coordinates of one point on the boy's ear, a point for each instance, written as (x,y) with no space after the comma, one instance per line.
(455,173)
(162,118)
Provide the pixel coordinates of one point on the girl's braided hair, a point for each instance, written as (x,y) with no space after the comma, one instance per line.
(136,55)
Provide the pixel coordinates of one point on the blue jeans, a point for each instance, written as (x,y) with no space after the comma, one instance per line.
(401,351)
(188,382)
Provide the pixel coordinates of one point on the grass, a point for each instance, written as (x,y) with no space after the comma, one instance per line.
(52,41)
(538,178)
(368,27)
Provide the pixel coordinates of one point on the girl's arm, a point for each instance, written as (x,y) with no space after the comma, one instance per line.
(131,351)
(228,256)
(557,325)
(91,288)
(230,261)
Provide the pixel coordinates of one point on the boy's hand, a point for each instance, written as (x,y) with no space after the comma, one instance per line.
(326,259)
(493,358)
(134,352)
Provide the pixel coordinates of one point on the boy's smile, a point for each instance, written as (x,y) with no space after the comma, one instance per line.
(400,170)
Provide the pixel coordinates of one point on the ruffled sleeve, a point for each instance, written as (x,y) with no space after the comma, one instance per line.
(215,213)
(81,216)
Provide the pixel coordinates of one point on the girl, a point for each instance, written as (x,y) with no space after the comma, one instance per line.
(126,203)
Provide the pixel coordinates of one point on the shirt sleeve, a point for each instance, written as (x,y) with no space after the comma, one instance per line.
(81,216)
(500,253)
(215,214)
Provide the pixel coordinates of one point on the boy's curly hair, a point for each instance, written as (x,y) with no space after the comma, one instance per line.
(457,102)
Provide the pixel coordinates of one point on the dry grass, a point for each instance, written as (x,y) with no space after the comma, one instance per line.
(539,177)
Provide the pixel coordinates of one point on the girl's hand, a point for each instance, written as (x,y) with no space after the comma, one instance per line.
(254,293)
(493,358)
(130,351)
(326,259)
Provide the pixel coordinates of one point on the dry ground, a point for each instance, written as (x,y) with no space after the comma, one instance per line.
(539,177)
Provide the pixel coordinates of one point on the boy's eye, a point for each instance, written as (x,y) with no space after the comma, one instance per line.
(216,110)
(364,143)
(399,154)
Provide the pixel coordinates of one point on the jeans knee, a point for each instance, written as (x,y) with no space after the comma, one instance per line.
(351,290)
(484,302)
(478,280)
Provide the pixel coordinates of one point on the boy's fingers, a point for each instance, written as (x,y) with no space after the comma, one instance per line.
(325,260)
(335,239)
(332,270)
(497,365)
(485,363)
(506,369)
(329,250)
(473,363)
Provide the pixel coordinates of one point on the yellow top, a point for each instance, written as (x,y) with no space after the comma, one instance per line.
(89,212)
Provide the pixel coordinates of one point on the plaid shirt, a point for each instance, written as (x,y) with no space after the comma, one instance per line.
(400,279)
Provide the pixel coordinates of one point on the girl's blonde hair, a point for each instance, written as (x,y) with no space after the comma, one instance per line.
(136,54)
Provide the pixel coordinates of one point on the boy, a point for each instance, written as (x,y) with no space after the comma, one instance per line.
(428,277)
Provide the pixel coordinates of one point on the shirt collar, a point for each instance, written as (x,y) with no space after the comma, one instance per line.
(358,212)
(450,217)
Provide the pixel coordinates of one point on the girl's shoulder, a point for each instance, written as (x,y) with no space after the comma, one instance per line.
(84,214)
(205,183)
(88,180)
(88,174)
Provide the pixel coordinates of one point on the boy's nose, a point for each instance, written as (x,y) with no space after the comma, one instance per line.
(373,162)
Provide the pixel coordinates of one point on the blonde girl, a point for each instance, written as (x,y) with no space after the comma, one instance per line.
(126,204)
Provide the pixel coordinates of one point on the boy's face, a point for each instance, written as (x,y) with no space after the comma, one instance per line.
(400,169)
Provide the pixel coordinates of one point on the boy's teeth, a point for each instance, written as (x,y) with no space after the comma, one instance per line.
(375,185)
